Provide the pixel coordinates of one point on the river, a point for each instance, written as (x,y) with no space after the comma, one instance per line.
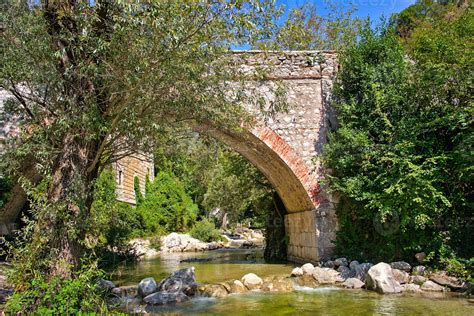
(222,265)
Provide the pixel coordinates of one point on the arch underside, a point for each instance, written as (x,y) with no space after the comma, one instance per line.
(288,185)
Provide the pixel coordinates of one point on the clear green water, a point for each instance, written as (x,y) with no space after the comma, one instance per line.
(233,264)
(225,265)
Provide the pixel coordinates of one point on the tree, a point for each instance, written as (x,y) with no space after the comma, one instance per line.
(307,28)
(94,82)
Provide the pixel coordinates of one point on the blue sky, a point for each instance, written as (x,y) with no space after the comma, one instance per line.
(373,8)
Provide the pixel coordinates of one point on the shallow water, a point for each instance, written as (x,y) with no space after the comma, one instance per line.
(233,264)
(224,265)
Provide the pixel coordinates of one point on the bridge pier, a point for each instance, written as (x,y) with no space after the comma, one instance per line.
(311,234)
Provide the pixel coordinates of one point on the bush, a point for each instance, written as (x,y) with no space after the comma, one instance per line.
(205,230)
(167,206)
(60,297)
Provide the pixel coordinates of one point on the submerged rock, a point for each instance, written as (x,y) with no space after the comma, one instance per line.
(353,283)
(252,281)
(162,298)
(147,286)
(213,290)
(237,287)
(277,284)
(380,278)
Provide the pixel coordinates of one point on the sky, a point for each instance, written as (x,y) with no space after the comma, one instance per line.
(373,8)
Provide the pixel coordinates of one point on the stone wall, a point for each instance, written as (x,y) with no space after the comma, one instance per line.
(126,169)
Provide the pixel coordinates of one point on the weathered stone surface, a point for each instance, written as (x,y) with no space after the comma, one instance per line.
(361,270)
(353,283)
(420,257)
(307,268)
(341,262)
(329,264)
(346,272)
(296,272)
(175,242)
(326,275)
(306,280)
(353,264)
(419,270)
(162,298)
(213,290)
(183,280)
(400,276)
(237,287)
(401,265)
(410,288)
(418,279)
(445,280)
(252,281)
(380,278)
(430,286)
(277,284)
(147,286)
(105,285)
(125,291)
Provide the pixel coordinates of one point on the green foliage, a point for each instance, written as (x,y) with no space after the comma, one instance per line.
(5,188)
(307,29)
(56,296)
(205,230)
(138,192)
(111,223)
(402,156)
(167,206)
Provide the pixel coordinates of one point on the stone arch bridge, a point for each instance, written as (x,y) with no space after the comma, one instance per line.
(284,148)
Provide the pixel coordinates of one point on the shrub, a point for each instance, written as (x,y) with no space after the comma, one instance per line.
(167,206)
(56,296)
(205,230)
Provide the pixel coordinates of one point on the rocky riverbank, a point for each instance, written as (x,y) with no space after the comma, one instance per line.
(394,278)
(175,242)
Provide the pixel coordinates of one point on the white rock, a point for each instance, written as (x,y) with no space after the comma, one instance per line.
(326,275)
(380,278)
(400,276)
(430,286)
(297,272)
(410,288)
(251,281)
(353,283)
(307,268)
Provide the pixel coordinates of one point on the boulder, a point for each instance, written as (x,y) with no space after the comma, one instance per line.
(345,272)
(251,281)
(400,276)
(105,285)
(183,280)
(410,288)
(147,286)
(341,262)
(353,264)
(162,298)
(237,287)
(296,272)
(445,280)
(418,279)
(401,265)
(380,278)
(125,291)
(326,275)
(213,290)
(420,257)
(307,268)
(306,280)
(329,264)
(419,270)
(277,284)
(430,286)
(353,283)
(361,270)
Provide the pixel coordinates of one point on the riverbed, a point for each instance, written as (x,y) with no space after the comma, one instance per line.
(221,265)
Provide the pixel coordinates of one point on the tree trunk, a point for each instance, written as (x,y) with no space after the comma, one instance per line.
(69,200)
